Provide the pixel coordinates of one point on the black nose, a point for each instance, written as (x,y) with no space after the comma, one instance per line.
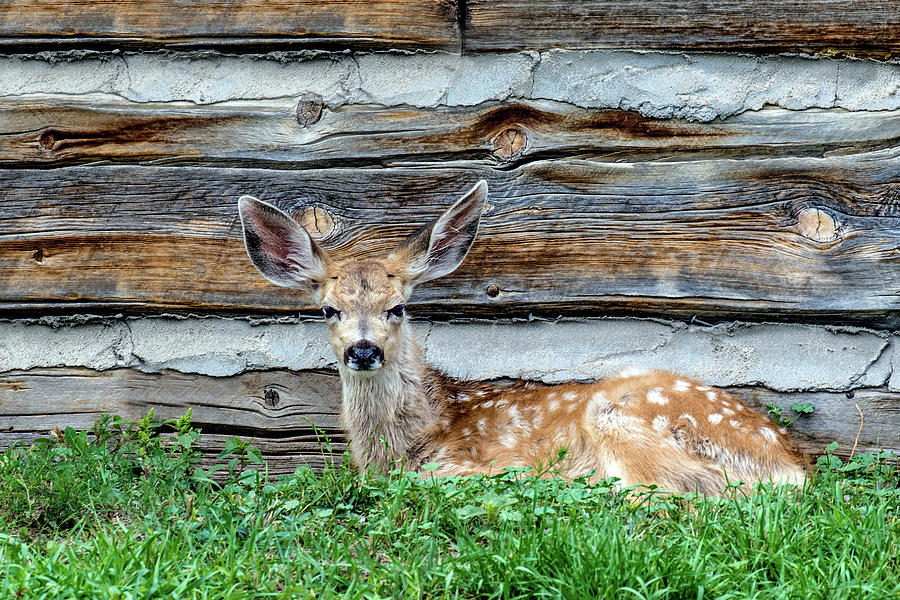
(363,356)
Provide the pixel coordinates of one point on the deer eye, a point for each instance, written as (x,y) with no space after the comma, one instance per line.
(330,313)
(397,312)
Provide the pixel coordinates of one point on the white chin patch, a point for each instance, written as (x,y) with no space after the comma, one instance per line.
(356,370)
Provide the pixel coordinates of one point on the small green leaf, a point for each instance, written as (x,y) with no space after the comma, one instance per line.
(469,511)
(853,466)
(231,445)
(254,455)
(70,435)
(510,515)
(804,408)
(290,504)
(492,500)
(828,462)
(831,447)
(430,466)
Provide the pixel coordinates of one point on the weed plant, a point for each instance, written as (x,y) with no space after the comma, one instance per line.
(127,511)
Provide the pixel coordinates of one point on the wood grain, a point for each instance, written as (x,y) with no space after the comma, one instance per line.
(278,410)
(703,236)
(242,23)
(864,26)
(757,25)
(62,130)
(291,417)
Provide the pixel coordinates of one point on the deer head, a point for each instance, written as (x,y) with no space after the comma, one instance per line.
(363,301)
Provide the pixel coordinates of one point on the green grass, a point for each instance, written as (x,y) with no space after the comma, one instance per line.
(124,512)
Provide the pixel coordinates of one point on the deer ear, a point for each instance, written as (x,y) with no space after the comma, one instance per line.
(440,248)
(279,247)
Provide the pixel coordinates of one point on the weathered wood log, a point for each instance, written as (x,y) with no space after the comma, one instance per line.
(760,25)
(774,237)
(281,411)
(61,130)
(246,23)
(291,417)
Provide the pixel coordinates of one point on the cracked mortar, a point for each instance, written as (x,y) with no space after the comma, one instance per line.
(779,356)
(695,86)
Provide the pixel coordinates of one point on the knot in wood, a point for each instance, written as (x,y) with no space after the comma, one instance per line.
(271,397)
(493,290)
(46,140)
(309,109)
(509,143)
(318,222)
(817,225)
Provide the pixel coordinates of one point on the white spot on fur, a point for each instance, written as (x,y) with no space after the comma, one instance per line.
(551,395)
(681,386)
(508,440)
(655,396)
(660,422)
(537,420)
(715,418)
(711,396)
(727,411)
(480,393)
(502,403)
(514,418)
(569,396)
(768,434)
(689,418)
(782,430)
(605,417)
(612,468)
(599,398)
(488,404)
(739,406)
(466,432)
(481,423)
(703,388)
(554,405)
(596,404)
(464,398)
(726,403)
(735,423)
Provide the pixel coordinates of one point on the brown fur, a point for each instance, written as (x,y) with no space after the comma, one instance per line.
(652,428)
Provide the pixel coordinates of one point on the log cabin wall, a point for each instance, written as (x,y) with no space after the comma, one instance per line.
(714,190)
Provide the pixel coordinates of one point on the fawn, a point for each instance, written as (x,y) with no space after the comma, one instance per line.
(651,428)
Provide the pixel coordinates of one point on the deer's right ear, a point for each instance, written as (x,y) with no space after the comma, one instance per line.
(279,247)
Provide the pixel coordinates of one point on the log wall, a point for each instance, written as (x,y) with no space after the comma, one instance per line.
(641,164)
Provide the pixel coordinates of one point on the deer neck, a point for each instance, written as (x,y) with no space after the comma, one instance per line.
(388,412)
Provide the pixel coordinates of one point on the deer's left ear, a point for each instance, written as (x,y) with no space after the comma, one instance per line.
(440,248)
